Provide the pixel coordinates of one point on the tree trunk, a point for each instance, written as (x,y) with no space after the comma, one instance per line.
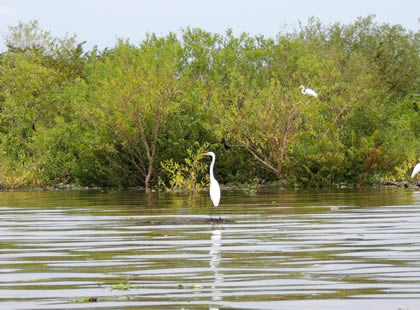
(148,176)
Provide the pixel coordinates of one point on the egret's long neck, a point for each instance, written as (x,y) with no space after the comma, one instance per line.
(213,160)
(303,90)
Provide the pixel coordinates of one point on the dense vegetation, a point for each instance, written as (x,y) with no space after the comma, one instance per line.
(138,115)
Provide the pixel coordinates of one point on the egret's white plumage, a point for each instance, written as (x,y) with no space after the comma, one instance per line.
(416,170)
(214,185)
(308,91)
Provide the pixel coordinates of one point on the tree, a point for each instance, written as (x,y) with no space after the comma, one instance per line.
(134,89)
(29,38)
(37,74)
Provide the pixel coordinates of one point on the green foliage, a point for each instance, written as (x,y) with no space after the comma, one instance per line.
(139,115)
(188,176)
(14,175)
(134,90)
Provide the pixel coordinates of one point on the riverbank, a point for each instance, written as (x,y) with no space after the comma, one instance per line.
(241,187)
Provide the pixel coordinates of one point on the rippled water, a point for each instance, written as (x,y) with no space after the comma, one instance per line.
(348,249)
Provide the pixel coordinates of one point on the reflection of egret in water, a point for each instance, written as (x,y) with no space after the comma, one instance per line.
(416,195)
(215,258)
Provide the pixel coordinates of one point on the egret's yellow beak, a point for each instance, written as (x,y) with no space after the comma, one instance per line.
(204,154)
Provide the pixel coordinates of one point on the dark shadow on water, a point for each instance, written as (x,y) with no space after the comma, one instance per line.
(189,221)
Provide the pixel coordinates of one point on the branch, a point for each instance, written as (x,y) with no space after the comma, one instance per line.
(256,156)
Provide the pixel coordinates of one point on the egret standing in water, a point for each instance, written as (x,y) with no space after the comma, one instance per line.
(308,91)
(214,185)
(416,170)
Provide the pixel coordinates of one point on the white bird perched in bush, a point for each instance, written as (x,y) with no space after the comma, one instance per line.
(308,91)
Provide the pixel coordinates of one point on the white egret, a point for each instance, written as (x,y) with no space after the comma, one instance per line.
(308,91)
(416,170)
(214,185)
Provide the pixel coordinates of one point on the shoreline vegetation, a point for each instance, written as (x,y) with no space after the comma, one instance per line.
(139,115)
(250,188)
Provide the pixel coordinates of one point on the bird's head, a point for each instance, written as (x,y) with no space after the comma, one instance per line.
(301,86)
(208,154)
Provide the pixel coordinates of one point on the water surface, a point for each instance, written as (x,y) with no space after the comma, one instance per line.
(346,249)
